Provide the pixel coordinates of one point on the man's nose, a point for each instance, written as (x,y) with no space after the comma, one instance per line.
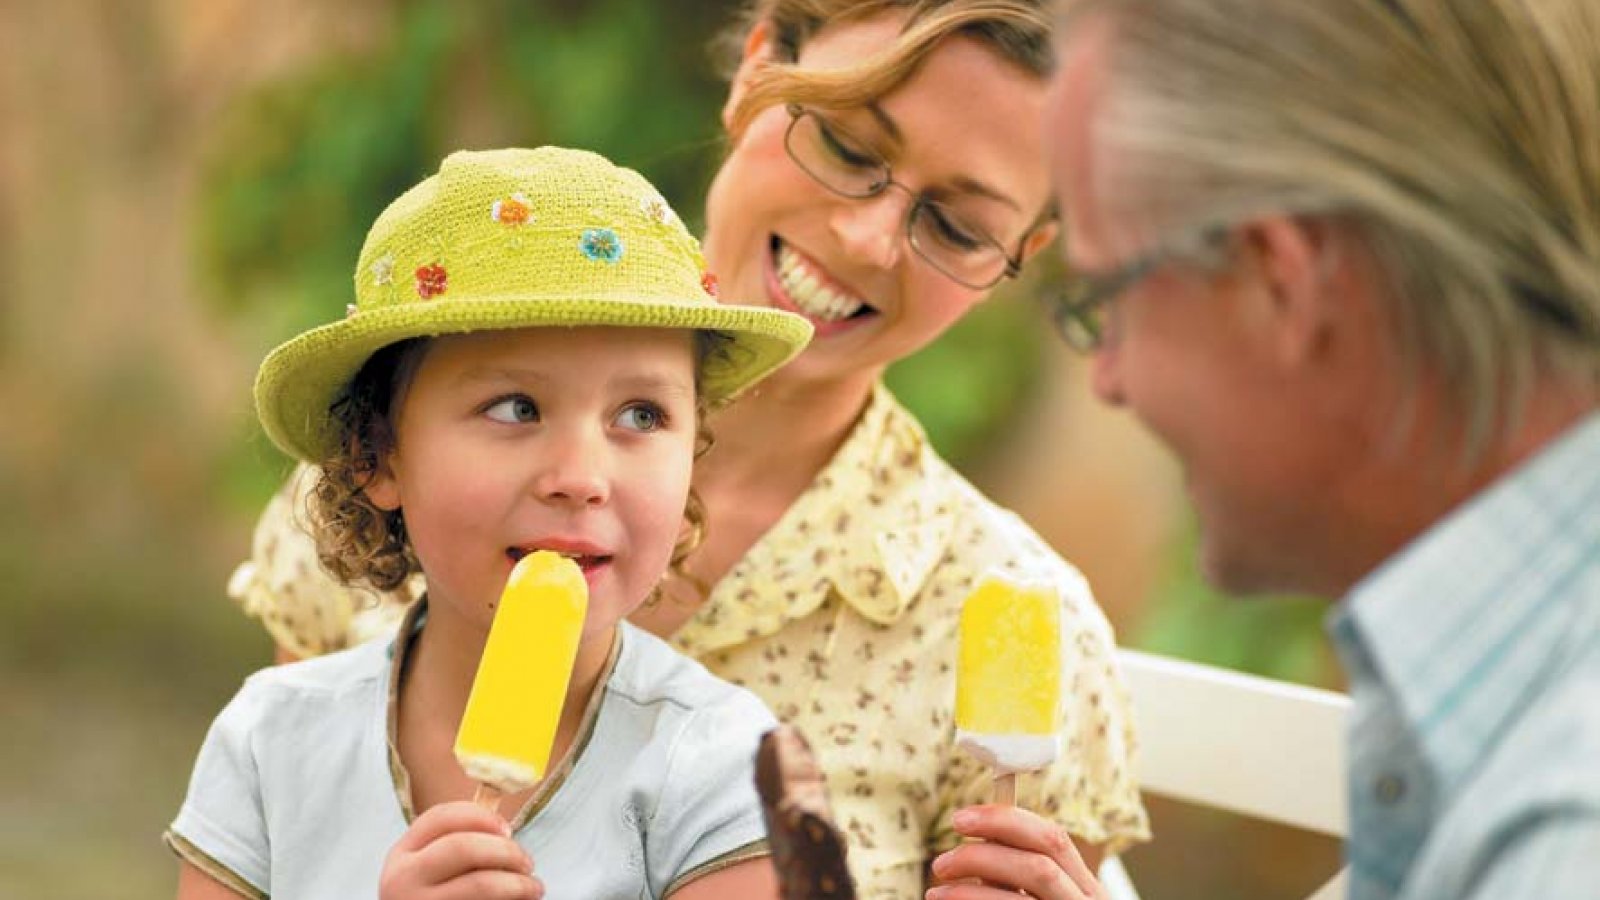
(1105,378)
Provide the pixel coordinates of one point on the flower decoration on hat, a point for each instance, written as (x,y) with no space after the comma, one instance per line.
(512,211)
(656,209)
(601,245)
(383,270)
(432,280)
(708,283)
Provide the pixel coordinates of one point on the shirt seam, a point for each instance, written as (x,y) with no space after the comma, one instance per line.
(754,850)
(186,850)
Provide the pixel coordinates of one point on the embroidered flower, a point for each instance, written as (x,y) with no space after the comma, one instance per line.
(513,210)
(601,245)
(708,283)
(656,209)
(432,280)
(383,270)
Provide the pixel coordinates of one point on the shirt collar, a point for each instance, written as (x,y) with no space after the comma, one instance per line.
(1478,598)
(867,528)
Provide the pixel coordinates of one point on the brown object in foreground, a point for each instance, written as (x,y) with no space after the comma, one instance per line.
(807,849)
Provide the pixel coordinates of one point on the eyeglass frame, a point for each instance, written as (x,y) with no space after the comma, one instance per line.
(1075,311)
(919,202)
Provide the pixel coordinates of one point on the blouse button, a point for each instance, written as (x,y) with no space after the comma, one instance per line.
(1389,789)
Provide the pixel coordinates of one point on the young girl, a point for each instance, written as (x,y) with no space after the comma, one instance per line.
(458,429)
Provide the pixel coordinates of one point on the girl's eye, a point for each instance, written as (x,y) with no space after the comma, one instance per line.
(513,410)
(642,417)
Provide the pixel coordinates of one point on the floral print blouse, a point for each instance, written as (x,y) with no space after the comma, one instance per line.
(843,618)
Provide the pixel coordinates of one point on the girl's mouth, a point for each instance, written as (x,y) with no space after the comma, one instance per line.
(589,563)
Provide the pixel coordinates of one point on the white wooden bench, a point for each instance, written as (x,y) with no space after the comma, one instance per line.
(1253,746)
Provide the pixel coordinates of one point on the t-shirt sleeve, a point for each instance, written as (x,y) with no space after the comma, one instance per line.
(1091,789)
(709,815)
(221,827)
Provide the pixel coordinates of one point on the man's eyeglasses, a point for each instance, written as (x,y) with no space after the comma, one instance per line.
(1079,311)
(947,235)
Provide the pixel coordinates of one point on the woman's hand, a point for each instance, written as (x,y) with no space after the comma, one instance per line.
(458,851)
(1019,851)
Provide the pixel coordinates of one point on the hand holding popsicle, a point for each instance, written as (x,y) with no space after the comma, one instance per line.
(512,714)
(1008,679)
(458,850)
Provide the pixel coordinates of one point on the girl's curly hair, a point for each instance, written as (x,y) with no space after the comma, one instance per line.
(359,543)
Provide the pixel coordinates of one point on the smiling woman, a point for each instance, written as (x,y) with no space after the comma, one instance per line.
(838,544)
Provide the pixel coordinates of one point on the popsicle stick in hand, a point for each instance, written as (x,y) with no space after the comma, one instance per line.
(1005,789)
(1008,679)
(487,796)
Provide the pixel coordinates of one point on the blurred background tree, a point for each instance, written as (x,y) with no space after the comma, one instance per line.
(183,185)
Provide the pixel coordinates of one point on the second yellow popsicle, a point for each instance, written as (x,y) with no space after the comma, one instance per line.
(1008,674)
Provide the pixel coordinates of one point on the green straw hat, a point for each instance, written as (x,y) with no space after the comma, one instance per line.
(515,239)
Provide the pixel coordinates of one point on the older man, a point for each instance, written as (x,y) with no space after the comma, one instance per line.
(1343,257)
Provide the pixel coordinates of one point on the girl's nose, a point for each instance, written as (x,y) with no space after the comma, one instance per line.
(573,474)
(872,229)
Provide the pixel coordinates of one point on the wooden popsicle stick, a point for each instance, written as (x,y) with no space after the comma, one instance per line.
(488,797)
(1005,789)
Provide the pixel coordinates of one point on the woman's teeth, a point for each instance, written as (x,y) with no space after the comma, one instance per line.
(809,293)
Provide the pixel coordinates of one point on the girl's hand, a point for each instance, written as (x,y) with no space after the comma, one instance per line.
(458,851)
(1020,851)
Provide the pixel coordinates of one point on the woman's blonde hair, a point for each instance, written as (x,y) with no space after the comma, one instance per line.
(1020,32)
(1459,140)
(360,543)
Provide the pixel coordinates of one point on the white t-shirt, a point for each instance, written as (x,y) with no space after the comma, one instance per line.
(298,794)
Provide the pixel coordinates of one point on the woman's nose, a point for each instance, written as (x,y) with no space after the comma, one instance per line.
(872,229)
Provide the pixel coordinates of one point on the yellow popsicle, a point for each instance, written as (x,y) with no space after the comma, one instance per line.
(1008,674)
(510,722)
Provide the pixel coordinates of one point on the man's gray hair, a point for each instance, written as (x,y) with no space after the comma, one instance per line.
(1460,140)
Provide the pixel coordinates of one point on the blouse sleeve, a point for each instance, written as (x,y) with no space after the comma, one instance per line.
(1091,789)
(709,815)
(307,612)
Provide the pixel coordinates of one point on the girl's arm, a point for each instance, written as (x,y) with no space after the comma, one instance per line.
(753,878)
(194,884)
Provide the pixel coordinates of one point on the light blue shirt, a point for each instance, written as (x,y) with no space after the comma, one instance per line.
(1474,661)
(298,792)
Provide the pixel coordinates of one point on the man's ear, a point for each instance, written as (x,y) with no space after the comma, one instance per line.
(1299,303)
(757,52)
(1039,238)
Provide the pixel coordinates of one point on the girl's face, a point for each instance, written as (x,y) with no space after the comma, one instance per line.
(579,441)
(965,130)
